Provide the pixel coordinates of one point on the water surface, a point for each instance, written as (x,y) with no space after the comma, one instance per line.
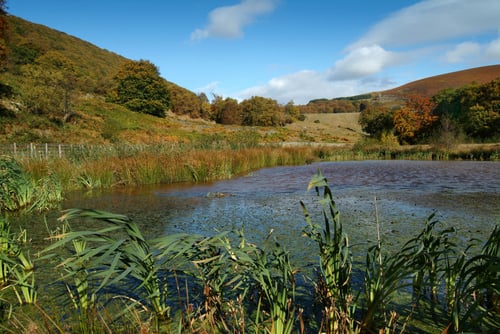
(464,195)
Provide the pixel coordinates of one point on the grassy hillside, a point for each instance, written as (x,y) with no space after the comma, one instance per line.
(27,41)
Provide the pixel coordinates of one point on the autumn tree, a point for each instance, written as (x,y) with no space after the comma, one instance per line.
(49,85)
(205,107)
(376,119)
(261,111)
(473,109)
(139,87)
(291,111)
(415,121)
(227,111)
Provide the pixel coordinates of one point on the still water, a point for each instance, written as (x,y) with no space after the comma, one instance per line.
(464,195)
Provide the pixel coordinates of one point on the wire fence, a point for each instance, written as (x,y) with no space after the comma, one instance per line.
(41,151)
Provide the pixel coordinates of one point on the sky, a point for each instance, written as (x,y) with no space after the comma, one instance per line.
(287,50)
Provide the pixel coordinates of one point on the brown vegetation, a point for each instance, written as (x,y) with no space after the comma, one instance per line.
(429,87)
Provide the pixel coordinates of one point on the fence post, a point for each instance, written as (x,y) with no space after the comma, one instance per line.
(15,150)
(60,152)
(46,150)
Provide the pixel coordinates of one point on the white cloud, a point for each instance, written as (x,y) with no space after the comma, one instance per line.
(305,85)
(433,21)
(229,21)
(492,51)
(363,61)
(463,51)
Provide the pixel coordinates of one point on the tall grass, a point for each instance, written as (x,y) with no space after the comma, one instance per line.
(139,165)
(20,191)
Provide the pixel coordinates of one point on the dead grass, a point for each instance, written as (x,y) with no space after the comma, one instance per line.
(326,128)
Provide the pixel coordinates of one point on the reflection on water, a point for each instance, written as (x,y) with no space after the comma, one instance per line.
(465,195)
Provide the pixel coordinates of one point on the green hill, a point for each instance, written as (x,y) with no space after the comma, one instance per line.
(27,41)
(93,119)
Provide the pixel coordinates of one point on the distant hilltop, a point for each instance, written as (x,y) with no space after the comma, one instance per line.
(430,86)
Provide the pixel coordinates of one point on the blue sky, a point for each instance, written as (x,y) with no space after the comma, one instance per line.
(288,50)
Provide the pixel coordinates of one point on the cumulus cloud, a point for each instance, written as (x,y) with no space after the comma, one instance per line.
(305,85)
(463,51)
(363,61)
(229,21)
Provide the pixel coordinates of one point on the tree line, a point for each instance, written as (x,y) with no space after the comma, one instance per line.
(471,112)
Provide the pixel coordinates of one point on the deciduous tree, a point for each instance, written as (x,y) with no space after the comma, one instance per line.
(415,121)
(376,119)
(49,85)
(139,87)
(261,111)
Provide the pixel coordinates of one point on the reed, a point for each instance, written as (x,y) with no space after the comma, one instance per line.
(334,281)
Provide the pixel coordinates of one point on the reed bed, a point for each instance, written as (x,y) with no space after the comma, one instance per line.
(162,165)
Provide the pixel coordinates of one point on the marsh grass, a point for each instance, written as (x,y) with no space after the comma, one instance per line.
(102,167)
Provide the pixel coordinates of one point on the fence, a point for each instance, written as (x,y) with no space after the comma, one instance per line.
(33,150)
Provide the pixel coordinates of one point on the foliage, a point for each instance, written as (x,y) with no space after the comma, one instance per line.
(3,33)
(16,266)
(260,111)
(49,85)
(334,283)
(140,88)
(20,191)
(227,111)
(414,122)
(376,120)
(475,108)
(27,41)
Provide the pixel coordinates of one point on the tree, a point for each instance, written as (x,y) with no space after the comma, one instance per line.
(376,120)
(475,109)
(482,123)
(205,107)
(139,87)
(292,112)
(226,111)
(49,85)
(261,111)
(415,121)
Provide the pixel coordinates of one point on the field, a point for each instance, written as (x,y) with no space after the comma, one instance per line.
(326,128)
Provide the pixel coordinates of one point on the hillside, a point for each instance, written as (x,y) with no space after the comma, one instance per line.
(432,85)
(27,41)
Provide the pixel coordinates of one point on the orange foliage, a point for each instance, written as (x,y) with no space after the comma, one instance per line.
(415,119)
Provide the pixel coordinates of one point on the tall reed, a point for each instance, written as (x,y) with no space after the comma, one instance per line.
(334,285)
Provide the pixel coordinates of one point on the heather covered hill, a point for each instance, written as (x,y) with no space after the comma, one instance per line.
(430,86)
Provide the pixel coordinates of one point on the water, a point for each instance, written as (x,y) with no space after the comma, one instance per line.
(464,195)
